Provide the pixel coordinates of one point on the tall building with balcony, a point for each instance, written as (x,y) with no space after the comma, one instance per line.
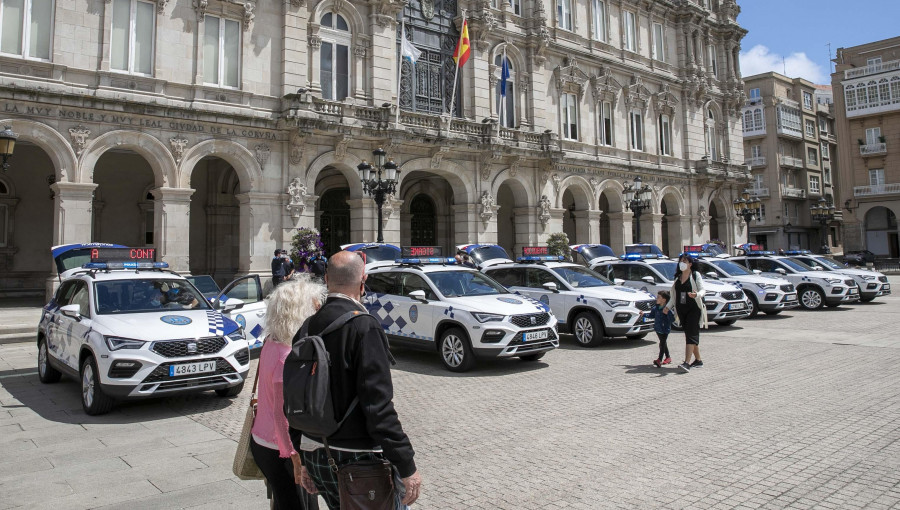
(212,129)
(866,85)
(790,149)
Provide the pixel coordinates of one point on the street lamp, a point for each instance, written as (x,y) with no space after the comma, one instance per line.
(379,181)
(7,144)
(823,212)
(635,201)
(748,207)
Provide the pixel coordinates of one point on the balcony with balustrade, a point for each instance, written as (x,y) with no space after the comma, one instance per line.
(859,72)
(875,190)
(760,192)
(790,161)
(792,192)
(872,149)
(755,162)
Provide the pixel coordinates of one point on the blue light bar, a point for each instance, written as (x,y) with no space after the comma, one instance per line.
(432,260)
(797,252)
(641,256)
(761,252)
(697,254)
(541,258)
(126,265)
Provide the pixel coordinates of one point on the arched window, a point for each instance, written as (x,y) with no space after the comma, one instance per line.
(748,121)
(850,94)
(895,89)
(712,144)
(506,109)
(334,57)
(884,91)
(873,93)
(758,118)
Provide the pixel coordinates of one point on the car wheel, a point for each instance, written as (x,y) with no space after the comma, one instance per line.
(728,322)
(811,298)
(588,330)
(754,305)
(93,400)
(231,391)
(773,312)
(532,357)
(46,373)
(456,354)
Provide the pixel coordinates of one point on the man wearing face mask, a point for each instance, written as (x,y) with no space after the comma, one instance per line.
(360,368)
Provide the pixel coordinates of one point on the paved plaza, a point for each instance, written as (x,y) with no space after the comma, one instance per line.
(800,410)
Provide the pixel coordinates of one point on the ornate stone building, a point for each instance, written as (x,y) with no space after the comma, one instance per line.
(211,129)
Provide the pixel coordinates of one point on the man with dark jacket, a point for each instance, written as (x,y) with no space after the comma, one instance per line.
(360,368)
(279,268)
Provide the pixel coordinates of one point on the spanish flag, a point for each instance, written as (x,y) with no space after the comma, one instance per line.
(461,55)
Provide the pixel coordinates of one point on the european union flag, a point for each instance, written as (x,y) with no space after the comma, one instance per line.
(504,75)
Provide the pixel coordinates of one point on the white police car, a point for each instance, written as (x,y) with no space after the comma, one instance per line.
(588,306)
(815,289)
(764,294)
(250,316)
(434,304)
(872,284)
(588,254)
(485,255)
(130,328)
(375,254)
(652,273)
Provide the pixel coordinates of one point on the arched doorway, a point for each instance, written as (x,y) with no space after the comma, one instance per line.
(881,232)
(568,203)
(426,217)
(422,222)
(215,220)
(506,219)
(714,222)
(334,219)
(672,236)
(576,203)
(664,227)
(123,213)
(605,233)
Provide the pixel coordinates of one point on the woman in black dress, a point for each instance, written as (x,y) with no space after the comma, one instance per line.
(687,294)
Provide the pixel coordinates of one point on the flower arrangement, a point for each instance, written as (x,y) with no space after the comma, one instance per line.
(305,243)
(558,244)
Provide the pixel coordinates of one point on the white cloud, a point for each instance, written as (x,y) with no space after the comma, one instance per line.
(796,65)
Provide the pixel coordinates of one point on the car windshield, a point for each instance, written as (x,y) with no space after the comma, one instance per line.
(830,263)
(666,269)
(147,295)
(482,254)
(464,283)
(205,284)
(730,268)
(581,277)
(796,265)
(379,253)
(593,252)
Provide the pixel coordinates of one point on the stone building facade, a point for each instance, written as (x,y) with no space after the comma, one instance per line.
(211,129)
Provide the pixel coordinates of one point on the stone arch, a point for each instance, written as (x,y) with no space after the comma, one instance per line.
(522,189)
(615,196)
(516,219)
(673,232)
(54,144)
(346,165)
(151,149)
(347,9)
(460,180)
(512,53)
(673,199)
(584,197)
(880,236)
(239,157)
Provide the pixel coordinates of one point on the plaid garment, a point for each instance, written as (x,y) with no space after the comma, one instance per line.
(326,481)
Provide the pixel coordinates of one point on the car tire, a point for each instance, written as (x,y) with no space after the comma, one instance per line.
(231,391)
(728,322)
(773,312)
(532,357)
(455,352)
(588,330)
(93,400)
(754,305)
(811,298)
(46,373)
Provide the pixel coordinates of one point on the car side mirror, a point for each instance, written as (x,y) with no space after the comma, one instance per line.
(780,271)
(72,311)
(418,295)
(713,275)
(817,268)
(551,287)
(232,304)
(619,281)
(757,271)
(648,279)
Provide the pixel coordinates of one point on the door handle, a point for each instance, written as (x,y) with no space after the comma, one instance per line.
(260,314)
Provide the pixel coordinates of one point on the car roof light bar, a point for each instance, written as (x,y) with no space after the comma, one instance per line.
(125,265)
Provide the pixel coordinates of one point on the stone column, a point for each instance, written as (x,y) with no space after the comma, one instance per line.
(583,227)
(526,220)
(72,219)
(384,60)
(364,221)
(466,224)
(172,226)
(651,228)
(256,243)
(619,230)
(554,225)
(295,53)
(315,47)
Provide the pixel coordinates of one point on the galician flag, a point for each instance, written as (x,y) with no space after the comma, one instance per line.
(461,55)
(407,50)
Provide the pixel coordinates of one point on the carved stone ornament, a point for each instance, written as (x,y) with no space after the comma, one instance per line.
(390,207)
(556,181)
(514,165)
(161,6)
(298,3)
(296,155)
(297,198)
(570,74)
(178,145)
(340,148)
(665,100)
(605,87)
(544,210)
(702,220)
(262,154)
(79,136)
(637,95)
(437,155)
(487,159)
(595,186)
(200,6)
(248,15)
(488,209)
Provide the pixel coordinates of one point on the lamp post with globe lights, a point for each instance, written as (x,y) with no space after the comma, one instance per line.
(748,207)
(379,181)
(635,201)
(822,212)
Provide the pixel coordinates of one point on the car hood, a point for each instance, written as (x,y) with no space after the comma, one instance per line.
(166,325)
(855,272)
(757,279)
(616,292)
(506,304)
(717,286)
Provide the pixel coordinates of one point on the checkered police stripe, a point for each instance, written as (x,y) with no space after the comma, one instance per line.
(389,316)
(216,323)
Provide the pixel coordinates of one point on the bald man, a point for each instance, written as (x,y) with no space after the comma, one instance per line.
(360,368)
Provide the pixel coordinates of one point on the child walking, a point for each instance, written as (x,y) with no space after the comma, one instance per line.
(663,319)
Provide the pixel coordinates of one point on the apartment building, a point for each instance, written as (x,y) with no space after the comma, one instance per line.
(866,86)
(790,148)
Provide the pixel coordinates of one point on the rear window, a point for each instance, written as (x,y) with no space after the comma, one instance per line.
(379,253)
(484,253)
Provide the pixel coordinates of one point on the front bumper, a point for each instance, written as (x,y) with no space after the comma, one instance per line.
(870,289)
(515,345)
(841,295)
(721,310)
(635,326)
(780,301)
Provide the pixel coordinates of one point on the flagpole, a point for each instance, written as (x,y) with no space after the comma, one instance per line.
(455,76)
(400,67)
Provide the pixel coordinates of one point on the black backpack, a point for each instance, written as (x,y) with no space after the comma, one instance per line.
(308,405)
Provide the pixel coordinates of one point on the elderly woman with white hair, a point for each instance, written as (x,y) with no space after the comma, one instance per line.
(288,306)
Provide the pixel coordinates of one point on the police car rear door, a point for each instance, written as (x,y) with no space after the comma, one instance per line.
(559,301)
(73,331)
(251,316)
(411,318)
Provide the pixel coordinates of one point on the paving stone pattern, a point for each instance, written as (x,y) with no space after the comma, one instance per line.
(800,410)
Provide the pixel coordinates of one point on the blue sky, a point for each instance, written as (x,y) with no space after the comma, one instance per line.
(799,31)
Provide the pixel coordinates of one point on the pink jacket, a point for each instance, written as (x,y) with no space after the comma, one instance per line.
(270,424)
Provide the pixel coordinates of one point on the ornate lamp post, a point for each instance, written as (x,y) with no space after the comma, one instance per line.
(823,212)
(748,208)
(379,181)
(635,201)
(7,144)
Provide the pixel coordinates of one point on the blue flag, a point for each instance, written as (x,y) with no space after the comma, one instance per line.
(504,75)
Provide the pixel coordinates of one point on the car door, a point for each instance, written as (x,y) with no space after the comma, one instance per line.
(559,302)
(251,316)
(55,333)
(72,332)
(413,319)
(381,289)
(637,273)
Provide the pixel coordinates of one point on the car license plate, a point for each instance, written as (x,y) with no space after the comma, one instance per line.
(645,319)
(529,336)
(790,297)
(737,306)
(886,286)
(192,368)
(854,290)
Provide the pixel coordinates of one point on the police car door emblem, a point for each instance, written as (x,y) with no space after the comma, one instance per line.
(413,313)
(176,320)
(192,347)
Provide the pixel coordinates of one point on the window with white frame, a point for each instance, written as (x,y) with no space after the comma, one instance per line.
(221,52)
(874,61)
(827,173)
(876,177)
(787,211)
(665,135)
(132,36)
(826,152)
(810,127)
(712,143)
(812,156)
(568,105)
(26,28)
(714,60)
(823,126)
(507,113)
(807,100)
(762,213)
(814,186)
(873,135)
(564,14)
(659,42)
(756,151)
(755,95)
(516,7)
(758,181)
(599,20)
(637,129)
(630,31)
(334,57)
(606,123)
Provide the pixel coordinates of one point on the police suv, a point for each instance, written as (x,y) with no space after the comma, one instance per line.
(589,254)
(815,289)
(587,305)
(426,301)
(764,294)
(375,254)
(652,273)
(872,284)
(126,327)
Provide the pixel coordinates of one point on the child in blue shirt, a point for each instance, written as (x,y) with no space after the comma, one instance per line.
(663,319)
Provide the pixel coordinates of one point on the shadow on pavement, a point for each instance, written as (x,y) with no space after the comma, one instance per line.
(650,369)
(428,363)
(568,342)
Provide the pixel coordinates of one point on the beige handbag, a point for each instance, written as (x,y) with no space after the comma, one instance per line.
(244,466)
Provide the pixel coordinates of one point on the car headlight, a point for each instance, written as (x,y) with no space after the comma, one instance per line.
(487,317)
(236,335)
(116,343)
(833,281)
(616,303)
(710,294)
(767,286)
(870,278)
